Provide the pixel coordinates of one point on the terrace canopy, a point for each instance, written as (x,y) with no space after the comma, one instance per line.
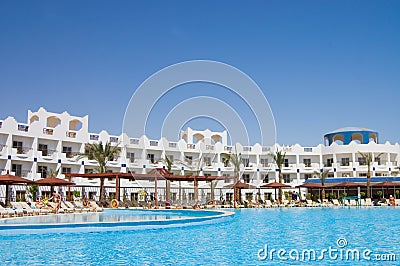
(275,185)
(154,175)
(387,184)
(8,179)
(54,181)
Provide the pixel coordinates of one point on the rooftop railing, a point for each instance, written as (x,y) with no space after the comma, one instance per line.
(23,128)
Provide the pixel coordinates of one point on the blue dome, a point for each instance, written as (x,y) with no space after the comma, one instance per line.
(348,134)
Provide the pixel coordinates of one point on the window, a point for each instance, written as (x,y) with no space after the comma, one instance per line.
(264,162)
(307,162)
(246,162)
(345,161)
(170,157)
(66,170)
(361,161)
(67,151)
(17,169)
(286,163)
(150,157)
(89,171)
(207,161)
(329,162)
(42,170)
(153,143)
(378,160)
(43,149)
(363,174)
(249,196)
(130,156)
(188,159)
(18,145)
(246,178)
(286,178)
(227,180)
(307,176)
(265,178)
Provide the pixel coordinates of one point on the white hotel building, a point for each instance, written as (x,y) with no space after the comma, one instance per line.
(51,141)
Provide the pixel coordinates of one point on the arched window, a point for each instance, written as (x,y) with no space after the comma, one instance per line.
(53,121)
(357,137)
(338,139)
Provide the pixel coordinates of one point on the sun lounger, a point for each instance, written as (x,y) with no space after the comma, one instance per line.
(95,206)
(18,210)
(368,202)
(268,204)
(6,212)
(310,203)
(397,202)
(36,211)
(66,208)
(352,202)
(336,202)
(26,211)
(70,205)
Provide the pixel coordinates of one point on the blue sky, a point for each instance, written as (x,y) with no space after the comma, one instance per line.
(322,65)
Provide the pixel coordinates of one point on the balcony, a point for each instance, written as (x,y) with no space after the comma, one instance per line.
(114,139)
(70,155)
(153,143)
(172,145)
(48,131)
(23,150)
(209,147)
(94,137)
(228,148)
(134,141)
(2,146)
(191,146)
(23,128)
(71,134)
(48,153)
(247,148)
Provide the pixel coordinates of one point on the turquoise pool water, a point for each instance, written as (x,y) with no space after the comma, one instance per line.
(241,239)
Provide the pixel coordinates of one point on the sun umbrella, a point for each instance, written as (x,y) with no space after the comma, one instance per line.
(275,185)
(8,179)
(54,181)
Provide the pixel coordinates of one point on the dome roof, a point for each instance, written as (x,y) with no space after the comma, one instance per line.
(350,129)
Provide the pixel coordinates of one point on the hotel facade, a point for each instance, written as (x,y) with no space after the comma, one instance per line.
(54,141)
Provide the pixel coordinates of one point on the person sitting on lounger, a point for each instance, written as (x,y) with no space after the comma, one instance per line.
(57,200)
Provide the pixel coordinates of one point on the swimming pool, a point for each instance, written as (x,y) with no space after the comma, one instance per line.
(241,239)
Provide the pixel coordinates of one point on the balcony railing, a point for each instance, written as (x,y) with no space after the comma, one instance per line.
(134,141)
(113,139)
(71,134)
(71,154)
(153,143)
(2,146)
(48,152)
(209,147)
(22,150)
(48,131)
(191,146)
(23,128)
(247,148)
(172,144)
(94,137)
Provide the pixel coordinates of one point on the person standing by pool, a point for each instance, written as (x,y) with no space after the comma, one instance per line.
(391,201)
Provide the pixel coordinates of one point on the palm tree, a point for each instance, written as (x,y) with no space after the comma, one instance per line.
(168,164)
(279,160)
(102,154)
(323,174)
(236,161)
(368,159)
